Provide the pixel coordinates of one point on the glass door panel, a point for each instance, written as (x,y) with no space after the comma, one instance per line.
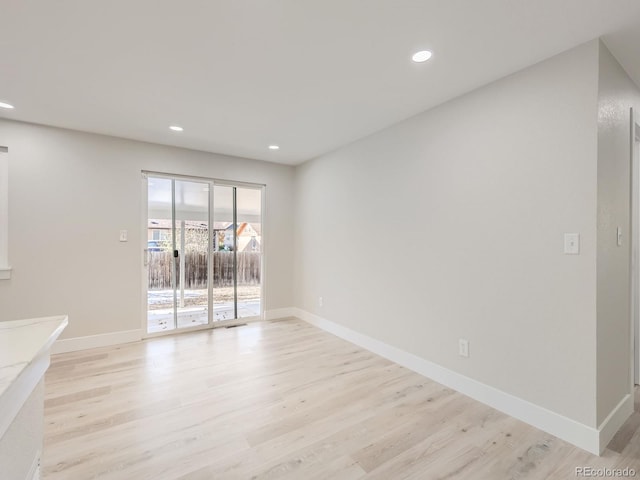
(224,243)
(159,256)
(192,247)
(249,251)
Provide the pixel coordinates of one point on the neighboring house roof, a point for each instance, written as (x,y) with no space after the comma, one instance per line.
(164,224)
(248,240)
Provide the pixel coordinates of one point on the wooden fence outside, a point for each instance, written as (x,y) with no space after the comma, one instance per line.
(196,269)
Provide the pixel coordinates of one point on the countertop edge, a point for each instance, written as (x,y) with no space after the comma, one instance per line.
(30,372)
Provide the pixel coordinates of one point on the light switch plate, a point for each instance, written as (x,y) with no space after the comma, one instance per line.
(123,235)
(572,243)
(619,236)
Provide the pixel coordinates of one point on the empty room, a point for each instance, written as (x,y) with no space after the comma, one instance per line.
(308,240)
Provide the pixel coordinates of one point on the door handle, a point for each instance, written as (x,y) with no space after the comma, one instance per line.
(176,254)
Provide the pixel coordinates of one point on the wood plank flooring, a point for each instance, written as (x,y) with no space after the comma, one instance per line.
(283,400)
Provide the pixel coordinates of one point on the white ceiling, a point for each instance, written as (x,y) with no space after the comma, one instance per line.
(240,75)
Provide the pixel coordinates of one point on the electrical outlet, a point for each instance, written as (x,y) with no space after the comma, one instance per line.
(463,347)
(320,302)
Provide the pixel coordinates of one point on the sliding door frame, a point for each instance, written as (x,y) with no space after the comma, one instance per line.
(212,182)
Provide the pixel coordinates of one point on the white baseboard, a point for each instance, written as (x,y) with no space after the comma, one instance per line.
(615,420)
(94,341)
(280,313)
(588,438)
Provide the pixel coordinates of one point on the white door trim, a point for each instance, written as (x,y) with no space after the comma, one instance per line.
(635,249)
(144,225)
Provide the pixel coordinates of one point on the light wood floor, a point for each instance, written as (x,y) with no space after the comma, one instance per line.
(283,400)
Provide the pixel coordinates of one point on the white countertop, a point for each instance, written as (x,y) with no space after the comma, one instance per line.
(24,357)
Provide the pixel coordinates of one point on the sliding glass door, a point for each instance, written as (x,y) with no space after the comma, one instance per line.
(203,252)
(249,257)
(224,271)
(237,256)
(177,254)
(159,256)
(191,252)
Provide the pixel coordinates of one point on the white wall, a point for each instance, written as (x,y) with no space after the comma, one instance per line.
(70,193)
(616,94)
(5,268)
(451,225)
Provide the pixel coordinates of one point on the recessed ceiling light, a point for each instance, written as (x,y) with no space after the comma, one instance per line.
(6,105)
(176,128)
(421,56)
(274,147)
